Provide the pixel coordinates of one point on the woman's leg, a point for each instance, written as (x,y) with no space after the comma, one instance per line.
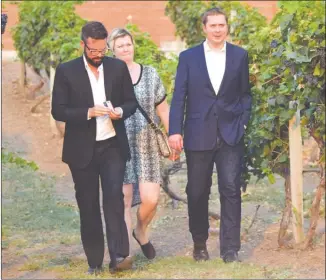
(149,194)
(127,192)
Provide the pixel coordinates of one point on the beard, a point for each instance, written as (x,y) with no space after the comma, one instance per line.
(96,63)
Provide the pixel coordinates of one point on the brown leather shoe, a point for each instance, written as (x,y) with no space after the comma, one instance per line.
(121,264)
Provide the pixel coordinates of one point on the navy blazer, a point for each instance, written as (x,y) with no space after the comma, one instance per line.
(197,112)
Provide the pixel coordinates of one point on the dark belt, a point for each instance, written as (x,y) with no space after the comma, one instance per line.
(106,141)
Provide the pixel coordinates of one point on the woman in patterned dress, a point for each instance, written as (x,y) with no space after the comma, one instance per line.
(144,168)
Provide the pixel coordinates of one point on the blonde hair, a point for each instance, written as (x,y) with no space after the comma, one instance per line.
(118,33)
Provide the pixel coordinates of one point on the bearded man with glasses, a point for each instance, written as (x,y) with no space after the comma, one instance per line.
(95,142)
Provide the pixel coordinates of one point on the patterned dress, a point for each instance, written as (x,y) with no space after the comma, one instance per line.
(145,162)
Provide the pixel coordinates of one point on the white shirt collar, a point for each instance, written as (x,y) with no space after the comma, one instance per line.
(208,49)
(100,68)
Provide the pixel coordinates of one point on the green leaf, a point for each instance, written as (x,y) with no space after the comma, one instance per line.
(285,20)
(317,71)
(291,55)
(285,116)
(271,179)
(283,158)
(271,101)
(266,150)
(290,6)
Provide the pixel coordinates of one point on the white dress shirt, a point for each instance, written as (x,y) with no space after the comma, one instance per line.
(215,61)
(104,126)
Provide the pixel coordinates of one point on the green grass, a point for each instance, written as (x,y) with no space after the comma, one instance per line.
(31,214)
(177,268)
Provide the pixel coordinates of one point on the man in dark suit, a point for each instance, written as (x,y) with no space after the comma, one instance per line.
(95,142)
(212,82)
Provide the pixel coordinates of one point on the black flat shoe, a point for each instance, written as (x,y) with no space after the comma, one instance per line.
(231,256)
(121,264)
(94,271)
(200,254)
(148,248)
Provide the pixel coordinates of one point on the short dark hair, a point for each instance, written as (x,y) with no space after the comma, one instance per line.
(95,30)
(213,12)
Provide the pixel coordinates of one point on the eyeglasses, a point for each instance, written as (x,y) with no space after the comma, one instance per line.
(96,52)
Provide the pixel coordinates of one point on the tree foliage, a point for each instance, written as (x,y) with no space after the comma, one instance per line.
(287,64)
(186,15)
(48,33)
(47,28)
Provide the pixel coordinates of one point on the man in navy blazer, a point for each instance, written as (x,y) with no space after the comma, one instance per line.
(211,108)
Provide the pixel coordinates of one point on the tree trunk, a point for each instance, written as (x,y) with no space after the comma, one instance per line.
(39,102)
(286,217)
(314,210)
(22,77)
(32,90)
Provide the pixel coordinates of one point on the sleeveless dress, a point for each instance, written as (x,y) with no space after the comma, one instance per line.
(145,163)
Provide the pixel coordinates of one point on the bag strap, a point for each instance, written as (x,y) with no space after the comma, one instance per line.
(148,119)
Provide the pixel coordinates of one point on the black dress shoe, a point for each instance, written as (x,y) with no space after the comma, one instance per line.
(230,256)
(200,254)
(94,271)
(121,264)
(148,248)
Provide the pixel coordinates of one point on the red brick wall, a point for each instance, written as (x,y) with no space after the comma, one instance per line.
(267,8)
(148,15)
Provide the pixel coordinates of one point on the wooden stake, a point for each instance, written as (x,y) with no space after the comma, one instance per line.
(295,143)
(57,127)
(22,80)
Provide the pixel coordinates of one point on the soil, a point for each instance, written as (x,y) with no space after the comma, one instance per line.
(29,135)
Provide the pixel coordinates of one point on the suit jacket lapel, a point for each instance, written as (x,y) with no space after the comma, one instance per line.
(108,74)
(85,83)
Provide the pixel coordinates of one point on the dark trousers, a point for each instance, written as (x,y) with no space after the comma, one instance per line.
(200,168)
(108,165)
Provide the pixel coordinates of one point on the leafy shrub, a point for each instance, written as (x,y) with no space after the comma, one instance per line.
(286,65)
(186,15)
(47,28)
(8,157)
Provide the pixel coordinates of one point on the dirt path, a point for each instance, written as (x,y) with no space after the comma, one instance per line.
(30,136)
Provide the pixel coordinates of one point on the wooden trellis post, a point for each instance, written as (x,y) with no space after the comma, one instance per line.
(22,80)
(56,127)
(295,144)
